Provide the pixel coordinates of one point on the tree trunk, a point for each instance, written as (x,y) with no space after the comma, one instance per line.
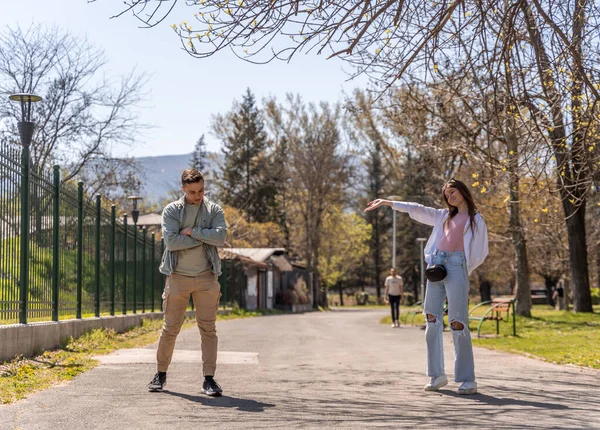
(361,280)
(309,268)
(523,290)
(321,292)
(247,172)
(485,290)
(598,266)
(571,169)
(341,288)
(582,297)
(416,282)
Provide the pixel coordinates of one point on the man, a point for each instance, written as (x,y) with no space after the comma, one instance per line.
(192,229)
(394,287)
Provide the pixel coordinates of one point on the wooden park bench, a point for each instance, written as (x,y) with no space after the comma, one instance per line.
(499,310)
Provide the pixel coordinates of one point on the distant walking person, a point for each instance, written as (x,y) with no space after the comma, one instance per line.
(559,296)
(394,287)
(192,228)
(459,243)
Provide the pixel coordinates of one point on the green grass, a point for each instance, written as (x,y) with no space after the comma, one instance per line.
(40,272)
(557,336)
(23,376)
(561,337)
(237,312)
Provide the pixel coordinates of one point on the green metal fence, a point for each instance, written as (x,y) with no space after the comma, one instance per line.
(10,244)
(63,255)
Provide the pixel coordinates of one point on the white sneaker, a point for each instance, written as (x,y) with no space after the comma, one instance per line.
(393,325)
(468,387)
(436,383)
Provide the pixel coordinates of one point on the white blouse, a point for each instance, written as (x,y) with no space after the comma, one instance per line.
(475,243)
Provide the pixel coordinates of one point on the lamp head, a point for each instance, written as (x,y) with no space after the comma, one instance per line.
(25,99)
(25,126)
(135,213)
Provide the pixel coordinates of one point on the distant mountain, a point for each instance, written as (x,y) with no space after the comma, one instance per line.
(163,173)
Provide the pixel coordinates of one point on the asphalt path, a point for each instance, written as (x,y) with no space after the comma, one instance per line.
(339,369)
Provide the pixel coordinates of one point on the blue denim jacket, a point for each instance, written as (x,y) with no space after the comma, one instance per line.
(210,232)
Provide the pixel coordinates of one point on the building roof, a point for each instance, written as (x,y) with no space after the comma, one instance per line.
(256,254)
(226,254)
(282,263)
(150,219)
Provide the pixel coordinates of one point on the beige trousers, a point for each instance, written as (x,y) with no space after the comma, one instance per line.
(206,292)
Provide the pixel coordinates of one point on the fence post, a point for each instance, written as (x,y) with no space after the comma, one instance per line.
(24,257)
(79,248)
(135,264)
(113,225)
(144,270)
(153,282)
(224,269)
(55,243)
(125,266)
(98,215)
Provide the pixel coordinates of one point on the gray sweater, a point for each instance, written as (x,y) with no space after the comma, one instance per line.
(210,233)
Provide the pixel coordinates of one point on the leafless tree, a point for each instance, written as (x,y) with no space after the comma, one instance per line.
(262,30)
(318,169)
(83,113)
(526,83)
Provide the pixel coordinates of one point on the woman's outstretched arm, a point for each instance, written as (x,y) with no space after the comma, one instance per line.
(416,211)
(376,203)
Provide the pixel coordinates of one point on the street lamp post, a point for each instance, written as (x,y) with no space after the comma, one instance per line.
(135,213)
(394,240)
(393,198)
(26,128)
(421,241)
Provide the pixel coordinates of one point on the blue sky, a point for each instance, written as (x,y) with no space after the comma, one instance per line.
(184,92)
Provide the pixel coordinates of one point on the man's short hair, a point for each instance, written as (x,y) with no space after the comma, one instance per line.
(191,176)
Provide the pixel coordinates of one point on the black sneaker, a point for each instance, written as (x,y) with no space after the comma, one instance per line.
(158,382)
(211,388)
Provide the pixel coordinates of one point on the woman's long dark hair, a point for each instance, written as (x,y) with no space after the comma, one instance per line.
(453,210)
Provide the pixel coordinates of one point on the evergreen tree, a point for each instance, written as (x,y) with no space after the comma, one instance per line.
(420,183)
(275,191)
(243,182)
(376,184)
(379,220)
(199,155)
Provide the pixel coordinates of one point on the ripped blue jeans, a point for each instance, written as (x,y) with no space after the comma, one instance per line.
(456,288)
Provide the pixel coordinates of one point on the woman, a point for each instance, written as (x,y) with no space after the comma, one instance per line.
(459,241)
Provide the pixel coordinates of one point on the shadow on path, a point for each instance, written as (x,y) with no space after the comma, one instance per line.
(244,405)
(503,401)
